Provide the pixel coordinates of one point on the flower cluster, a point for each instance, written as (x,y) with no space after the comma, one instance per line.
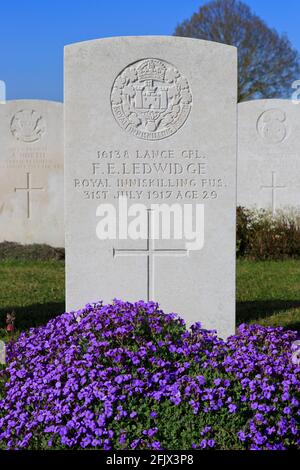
(128,376)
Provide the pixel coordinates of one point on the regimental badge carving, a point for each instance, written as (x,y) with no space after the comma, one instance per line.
(151,99)
(272,126)
(27,125)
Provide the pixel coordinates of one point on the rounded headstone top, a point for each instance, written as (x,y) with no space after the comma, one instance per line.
(266,103)
(34,101)
(146,39)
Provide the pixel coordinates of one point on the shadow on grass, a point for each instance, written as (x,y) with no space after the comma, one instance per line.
(40,314)
(32,315)
(258,310)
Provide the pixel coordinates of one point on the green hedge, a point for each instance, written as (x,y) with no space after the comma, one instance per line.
(263,236)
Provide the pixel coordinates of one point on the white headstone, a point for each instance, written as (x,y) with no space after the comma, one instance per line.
(31,166)
(152,119)
(269,154)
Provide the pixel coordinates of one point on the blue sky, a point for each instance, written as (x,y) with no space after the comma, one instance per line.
(33,33)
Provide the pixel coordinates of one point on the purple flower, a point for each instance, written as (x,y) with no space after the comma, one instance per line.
(242,436)
(77,381)
(203,444)
(232,408)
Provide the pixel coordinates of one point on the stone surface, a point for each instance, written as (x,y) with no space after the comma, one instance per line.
(269,154)
(31,165)
(152,119)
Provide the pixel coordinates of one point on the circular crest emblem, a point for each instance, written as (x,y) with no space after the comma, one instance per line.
(272,126)
(28,126)
(151,99)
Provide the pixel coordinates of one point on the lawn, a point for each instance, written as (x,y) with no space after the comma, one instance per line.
(34,290)
(268,292)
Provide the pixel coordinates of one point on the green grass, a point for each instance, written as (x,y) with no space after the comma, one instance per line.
(34,290)
(268,292)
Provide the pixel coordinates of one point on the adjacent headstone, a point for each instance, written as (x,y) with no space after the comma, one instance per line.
(152,121)
(269,154)
(31,166)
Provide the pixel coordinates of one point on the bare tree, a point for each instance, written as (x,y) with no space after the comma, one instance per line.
(268,64)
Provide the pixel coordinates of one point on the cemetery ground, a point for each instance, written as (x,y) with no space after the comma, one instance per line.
(267,291)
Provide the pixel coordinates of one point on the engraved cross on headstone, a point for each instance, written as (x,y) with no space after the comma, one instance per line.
(274,187)
(28,189)
(150,252)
